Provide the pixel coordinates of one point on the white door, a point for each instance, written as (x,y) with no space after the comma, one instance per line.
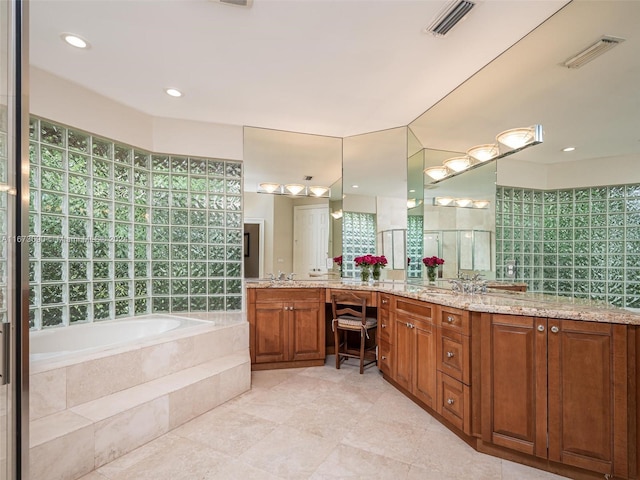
(310,240)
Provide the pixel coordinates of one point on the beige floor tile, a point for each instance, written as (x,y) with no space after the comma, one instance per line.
(515,471)
(94,476)
(270,378)
(352,463)
(289,453)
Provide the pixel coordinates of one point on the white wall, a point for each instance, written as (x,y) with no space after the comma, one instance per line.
(65,102)
(582,173)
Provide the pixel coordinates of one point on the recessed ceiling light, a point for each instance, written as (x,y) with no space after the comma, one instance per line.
(355,186)
(413,190)
(568,149)
(74,40)
(174,92)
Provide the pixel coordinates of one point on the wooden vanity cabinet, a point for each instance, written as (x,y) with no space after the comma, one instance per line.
(385,333)
(557,389)
(286,327)
(414,349)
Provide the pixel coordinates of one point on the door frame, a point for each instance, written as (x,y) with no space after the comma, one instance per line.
(260,222)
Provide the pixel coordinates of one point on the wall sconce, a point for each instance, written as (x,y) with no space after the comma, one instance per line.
(508,143)
(295,189)
(460,202)
(337,214)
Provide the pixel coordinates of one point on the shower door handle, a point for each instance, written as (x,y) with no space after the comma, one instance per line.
(5,342)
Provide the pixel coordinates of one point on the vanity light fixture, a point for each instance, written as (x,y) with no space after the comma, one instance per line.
(75,40)
(482,153)
(173,92)
(508,142)
(413,203)
(337,214)
(442,201)
(437,173)
(269,187)
(516,137)
(460,202)
(318,191)
(457,164)
(294,188)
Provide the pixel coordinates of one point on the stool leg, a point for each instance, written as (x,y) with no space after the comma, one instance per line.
(362,342)
(336,340)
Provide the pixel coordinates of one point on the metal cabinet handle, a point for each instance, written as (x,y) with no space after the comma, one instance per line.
(451,401)
(450,319)
(554,329)
(541,328)
(383,325)
(384,357)
(450,354)
(385,301)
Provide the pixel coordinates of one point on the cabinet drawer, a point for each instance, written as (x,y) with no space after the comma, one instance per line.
(372,297)
(415,308)
(454,402)
(384,301)
(453,355)
(454,320)
(384,357)
(287,294)
(385,325)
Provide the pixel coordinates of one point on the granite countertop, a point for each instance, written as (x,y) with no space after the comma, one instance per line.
(495,301)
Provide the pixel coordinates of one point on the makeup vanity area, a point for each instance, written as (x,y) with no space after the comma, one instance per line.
(551,382)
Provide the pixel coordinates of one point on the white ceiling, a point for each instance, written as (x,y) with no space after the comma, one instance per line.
(328,67)
(346,67)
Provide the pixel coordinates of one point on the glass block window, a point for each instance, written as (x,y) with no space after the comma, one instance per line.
(583,242)
(358,238)
(117,231)
(415,247)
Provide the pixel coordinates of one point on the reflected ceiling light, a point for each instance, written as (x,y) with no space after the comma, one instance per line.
(457,164)
(413,202)
(463,202)
(355,186)
(269,187)
(485,152)
(481,203)
(568,149)
(413,190)
(75,40)
(173,92)
(318,191)
(437,173)
(443,201)
(337,214)
(294,188)
(517,137)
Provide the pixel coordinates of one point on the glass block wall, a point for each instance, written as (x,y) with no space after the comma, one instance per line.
(415,245)
(358,238)
(583,242)
(116,231)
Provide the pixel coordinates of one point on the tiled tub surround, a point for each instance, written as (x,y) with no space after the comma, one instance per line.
(87,410)
(582,242)
(117,231)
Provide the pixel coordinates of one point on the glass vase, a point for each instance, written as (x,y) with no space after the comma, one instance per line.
(365,272)
(431,273)
(377,270)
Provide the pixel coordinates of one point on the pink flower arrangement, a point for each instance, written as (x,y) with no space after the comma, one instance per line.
(371,260)
(338,260)
(432,261)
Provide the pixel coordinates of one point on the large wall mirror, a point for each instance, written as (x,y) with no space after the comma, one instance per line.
(286,232)
(375,202)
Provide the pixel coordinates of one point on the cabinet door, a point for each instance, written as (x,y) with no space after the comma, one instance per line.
(270,332)
(587,390)
(306,331)
(403,354)
(424,368)
(514,382)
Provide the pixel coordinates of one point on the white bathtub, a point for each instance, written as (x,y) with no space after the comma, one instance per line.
(59,342)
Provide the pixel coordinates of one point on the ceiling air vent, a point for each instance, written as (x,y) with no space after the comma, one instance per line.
(451,15)
(236,3)
(592,51)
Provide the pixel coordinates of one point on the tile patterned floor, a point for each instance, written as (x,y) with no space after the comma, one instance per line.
(313,423)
